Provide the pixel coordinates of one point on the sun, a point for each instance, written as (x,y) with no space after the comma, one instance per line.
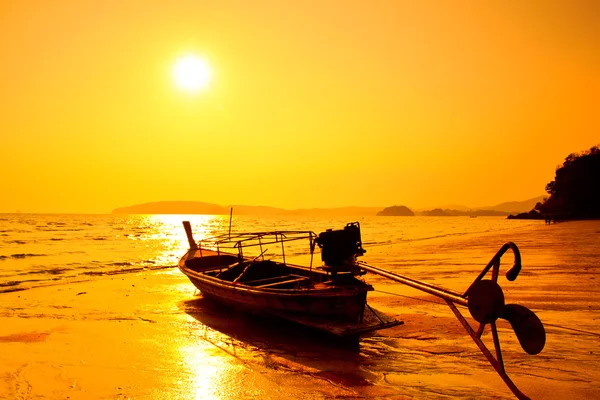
(191,73)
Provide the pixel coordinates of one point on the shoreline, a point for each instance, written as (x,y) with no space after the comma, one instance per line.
(145,335)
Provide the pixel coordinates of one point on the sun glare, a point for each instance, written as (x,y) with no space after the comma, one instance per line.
(191,73)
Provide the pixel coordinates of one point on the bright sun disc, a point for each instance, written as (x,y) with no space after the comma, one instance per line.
(191,73)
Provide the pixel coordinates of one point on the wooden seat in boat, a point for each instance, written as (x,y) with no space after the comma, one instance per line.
(284,283)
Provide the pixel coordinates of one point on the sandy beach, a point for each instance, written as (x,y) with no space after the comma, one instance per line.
(437,130)
(148,336)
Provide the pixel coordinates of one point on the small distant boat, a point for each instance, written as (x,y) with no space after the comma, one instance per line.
(237,270)
(243,271)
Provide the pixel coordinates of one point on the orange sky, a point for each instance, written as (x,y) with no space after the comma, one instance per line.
(312,103)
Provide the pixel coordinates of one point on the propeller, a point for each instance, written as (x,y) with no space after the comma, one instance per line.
(485,301)
(527,326)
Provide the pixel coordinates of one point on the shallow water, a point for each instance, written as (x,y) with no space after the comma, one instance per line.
(161,341)
(37,249)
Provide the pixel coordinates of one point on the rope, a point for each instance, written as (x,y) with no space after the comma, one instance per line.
(573,329)
(409,297)
(444,303)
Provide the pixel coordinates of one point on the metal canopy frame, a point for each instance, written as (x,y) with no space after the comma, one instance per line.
(239,241)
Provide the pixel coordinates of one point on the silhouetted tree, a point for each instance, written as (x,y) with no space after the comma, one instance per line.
(575,190)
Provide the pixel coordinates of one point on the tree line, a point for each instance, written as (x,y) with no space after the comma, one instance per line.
(575,190)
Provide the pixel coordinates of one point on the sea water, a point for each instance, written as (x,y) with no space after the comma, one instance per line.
(41,249)
(429,357)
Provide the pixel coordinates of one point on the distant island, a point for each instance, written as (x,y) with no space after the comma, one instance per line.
(574,192)
(499,210)
(438,212)
(172,207)
(198,207)
(397,211)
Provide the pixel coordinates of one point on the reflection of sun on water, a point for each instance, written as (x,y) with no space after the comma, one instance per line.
(167,238)
(208,371)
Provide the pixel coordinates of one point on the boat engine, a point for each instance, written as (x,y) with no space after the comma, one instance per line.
(339,248)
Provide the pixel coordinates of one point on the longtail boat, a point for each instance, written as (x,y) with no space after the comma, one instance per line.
(238,271)
(242,271)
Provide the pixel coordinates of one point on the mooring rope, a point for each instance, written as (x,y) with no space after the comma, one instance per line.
(444,303)
(573,329)
(410,297)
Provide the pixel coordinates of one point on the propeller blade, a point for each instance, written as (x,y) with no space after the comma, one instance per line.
(527,326)
(486,301)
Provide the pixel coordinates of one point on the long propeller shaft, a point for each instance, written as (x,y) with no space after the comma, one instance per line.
(435,290)
(485,301)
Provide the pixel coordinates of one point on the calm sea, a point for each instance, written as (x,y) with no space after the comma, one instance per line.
(429,357)
(42,249)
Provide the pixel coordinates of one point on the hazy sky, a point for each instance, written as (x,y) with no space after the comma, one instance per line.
(311,103)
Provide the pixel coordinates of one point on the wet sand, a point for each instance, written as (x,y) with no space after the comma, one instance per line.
(146,336)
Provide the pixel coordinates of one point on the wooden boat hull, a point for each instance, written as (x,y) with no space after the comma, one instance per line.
(345,302)
(348,305)
(334,303)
